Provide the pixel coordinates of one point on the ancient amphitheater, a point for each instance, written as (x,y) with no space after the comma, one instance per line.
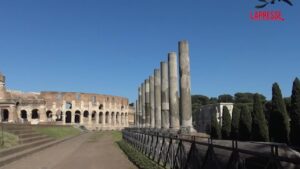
(94,111)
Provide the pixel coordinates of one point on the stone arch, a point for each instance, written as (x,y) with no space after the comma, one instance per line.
(4,115)
(101,117)
(86,114)
(118,118)
(35,114)
(49,114)
(77,116)
(23,115)
(94,116)
(106,117)
(113,120)
(68,117)
(122,118)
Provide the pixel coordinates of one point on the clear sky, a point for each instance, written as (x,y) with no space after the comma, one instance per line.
(111,46)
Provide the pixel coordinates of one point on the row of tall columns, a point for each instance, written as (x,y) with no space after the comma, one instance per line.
(158,105)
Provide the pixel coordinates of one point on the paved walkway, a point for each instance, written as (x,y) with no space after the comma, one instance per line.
(88,151)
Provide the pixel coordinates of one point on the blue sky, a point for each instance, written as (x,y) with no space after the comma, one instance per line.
(110,47)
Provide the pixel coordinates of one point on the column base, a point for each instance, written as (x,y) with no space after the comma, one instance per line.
(187,130)
(174,131)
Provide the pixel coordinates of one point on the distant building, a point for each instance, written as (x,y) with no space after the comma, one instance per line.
(203,115)
(94,111)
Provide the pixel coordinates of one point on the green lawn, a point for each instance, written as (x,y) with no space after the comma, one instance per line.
(58,132)
(117,135)
(9,140)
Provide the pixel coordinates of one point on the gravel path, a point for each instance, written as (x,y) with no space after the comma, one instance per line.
(88,151)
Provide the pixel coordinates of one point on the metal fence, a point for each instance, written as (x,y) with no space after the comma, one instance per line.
(191,152)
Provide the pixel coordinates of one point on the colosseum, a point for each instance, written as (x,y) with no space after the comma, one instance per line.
(93,111)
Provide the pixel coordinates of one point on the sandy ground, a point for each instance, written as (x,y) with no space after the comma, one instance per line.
(82,152)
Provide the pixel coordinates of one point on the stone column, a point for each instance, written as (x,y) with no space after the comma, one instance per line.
(173,91)
(185,87)
(165,124)
(103,119)
(97,118)
(109,119)
(152,119)
(119,120)
(72,117)
(147,103)
(90,118)
(143,105)
(81,117)
(63,117)
(157,95)
(11,114)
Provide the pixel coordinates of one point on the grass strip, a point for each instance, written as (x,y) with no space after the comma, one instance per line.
(8,140)
(136,157)
(58,132)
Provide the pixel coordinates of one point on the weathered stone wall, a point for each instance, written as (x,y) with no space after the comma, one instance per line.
(203,116)
(94,111)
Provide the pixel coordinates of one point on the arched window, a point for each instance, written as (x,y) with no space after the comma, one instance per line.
(68,116)
(86,114)
(77,116)
(68,105)
(106,117)
(101,107)
(112,118)
(93,116)
(24,114)
(34,114)
(101,117)
(5,115)
(49,114)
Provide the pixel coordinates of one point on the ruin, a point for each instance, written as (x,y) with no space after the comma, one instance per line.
(173,142)
(94,111)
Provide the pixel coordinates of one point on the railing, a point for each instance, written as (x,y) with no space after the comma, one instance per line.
(192,152)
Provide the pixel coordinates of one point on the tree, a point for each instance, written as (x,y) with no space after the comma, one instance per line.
(288,104)
(247,97)
(245,124)
(226,123)
(295,113)
(197,102)
(268,110)
(213,100)
(235,122)
(279,120)
(225,98)
(215,132)
(260,130)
